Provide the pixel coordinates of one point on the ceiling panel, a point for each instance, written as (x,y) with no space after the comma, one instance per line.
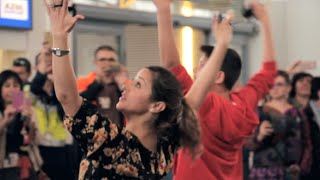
(212,5)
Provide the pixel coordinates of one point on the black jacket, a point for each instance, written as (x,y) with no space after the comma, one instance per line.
(37,89)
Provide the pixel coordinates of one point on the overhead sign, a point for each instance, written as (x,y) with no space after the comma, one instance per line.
(16,14)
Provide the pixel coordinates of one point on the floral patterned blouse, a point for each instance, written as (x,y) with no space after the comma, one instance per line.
(113,153)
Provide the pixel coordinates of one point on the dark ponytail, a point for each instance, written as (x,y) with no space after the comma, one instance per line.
(189,129)
(177,123)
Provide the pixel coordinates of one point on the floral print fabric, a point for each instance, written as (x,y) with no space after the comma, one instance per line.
(114,153)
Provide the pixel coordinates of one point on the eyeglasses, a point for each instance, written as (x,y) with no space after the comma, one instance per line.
(107,59)
(279,85)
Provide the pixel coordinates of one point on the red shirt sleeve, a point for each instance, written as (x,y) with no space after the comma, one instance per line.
(182,75)
(259,85)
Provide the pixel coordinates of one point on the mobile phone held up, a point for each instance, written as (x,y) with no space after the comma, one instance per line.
(246,9)
(72,10)
(18,100)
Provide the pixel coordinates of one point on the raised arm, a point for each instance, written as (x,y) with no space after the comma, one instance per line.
(208,74)
(169,55)
(260,84)
(64,77)
(262,15)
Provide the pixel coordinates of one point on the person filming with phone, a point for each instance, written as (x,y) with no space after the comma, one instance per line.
(19,158)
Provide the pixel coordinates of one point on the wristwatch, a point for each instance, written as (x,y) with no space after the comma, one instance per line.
(60,52)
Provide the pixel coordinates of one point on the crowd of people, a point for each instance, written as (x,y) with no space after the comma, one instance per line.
(163,123)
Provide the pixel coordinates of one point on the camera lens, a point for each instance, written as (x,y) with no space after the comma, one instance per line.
(220,17)
(246,9)
(247,12)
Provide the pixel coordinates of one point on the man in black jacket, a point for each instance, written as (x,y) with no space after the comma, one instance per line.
(104,90)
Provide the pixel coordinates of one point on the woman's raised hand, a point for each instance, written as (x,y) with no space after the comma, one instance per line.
(61,21)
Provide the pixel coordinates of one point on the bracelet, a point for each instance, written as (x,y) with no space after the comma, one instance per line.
(60,52)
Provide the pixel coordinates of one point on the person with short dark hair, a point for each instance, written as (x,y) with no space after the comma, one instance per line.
(226,117)
(231,65)
(105,48)
(301,89)
(101,87)
(22,67)
(305,93)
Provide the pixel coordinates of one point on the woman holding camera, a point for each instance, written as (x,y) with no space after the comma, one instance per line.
(281,144)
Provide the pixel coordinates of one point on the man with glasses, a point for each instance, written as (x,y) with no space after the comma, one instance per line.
(22,67)
(101,87)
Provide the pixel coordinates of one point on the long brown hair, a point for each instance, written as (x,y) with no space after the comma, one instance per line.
(177,123)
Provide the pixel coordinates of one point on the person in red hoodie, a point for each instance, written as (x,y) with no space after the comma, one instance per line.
(226,118)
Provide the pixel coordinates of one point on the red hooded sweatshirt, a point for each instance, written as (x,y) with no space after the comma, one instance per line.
(225,125)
